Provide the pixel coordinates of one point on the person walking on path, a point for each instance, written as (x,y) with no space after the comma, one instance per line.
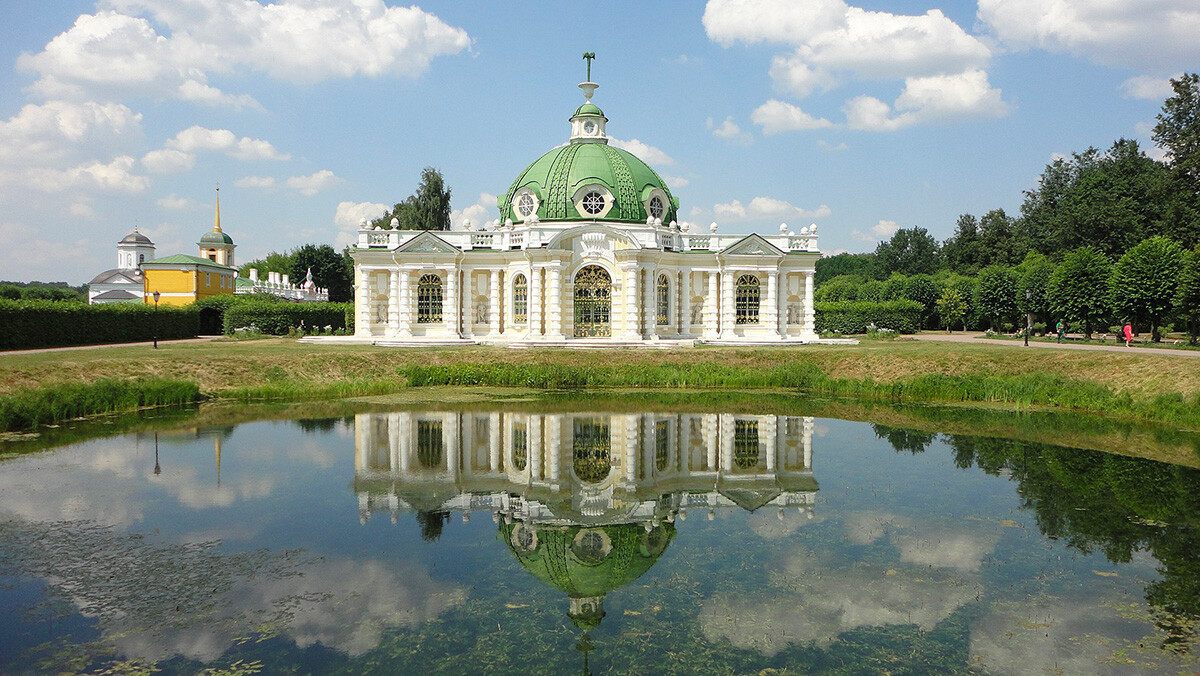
(1060,328)
(1128,333)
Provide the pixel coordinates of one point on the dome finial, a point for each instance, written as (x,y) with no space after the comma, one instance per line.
(588,86)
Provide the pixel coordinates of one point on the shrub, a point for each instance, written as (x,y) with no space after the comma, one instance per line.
(854,316)
(45,323)
(278,318)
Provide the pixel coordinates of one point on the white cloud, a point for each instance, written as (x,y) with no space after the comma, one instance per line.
(168,161)
(113,176)
(786,21)
(882,230)
(764,208)
(1152,36)
(255,182)
(644,151)
(174,201)
(197,138)
(118,49)
(60,130)
(482,211)
(26,253)
(776,116)
(729,130)
(347,218)
(82,210)
(938,98)
(675,181)
(313,183)
(831,147)
(1148,87)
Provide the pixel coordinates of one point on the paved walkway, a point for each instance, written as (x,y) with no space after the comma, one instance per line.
(973,337)
(148,343)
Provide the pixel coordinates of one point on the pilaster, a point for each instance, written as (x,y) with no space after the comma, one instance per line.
(728,319)
(632,319)
(772,313)
(554,301)
(809,327)
(535,307)
(685,303)
(405,312)
(712,319)
(494,303)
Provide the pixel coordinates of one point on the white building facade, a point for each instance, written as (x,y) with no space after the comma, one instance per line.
(588,251)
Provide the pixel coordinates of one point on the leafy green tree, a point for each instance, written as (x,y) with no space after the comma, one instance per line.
(1178,128)
(328,268)
(952,308)
(872,290)
(10,292)
(844,287)
(1187,300)
(922,289)
(1078,289)
(861,264)
(1144,282)
(910,251)
(996,294)
(426,209)
(963,250)
(272,262)
(997,243)
(1033,274)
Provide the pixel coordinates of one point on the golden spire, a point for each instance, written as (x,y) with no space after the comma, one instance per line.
(217,450)
(217,218)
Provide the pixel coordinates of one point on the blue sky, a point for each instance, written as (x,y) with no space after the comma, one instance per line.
(858,116)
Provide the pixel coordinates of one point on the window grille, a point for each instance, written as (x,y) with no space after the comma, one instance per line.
(661,447)
(664,301)
(520,299)
(520,446)
(429,443)
(747,299)
(745,444)
(591,453)
(429,299)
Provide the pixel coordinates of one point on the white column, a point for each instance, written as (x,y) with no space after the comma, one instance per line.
(405,441)
(769,426)
(407,304)
(362,441)
(470,291)
(772,313)
(650,305)
(533,444)
(727,310)
(781,306)
(363,325)
(494,434)
(554,303)
(554,445)
(809,327)
(535,307)
(631,301)
(494,303)
(450,302)
(711,314)
(393,430)
(632,450)
(685,303)
(725,436)
(808,437)
(450,424)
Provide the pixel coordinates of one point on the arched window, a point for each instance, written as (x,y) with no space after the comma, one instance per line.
(746,451)
(520,299)
(662,447)
(520,446)
(592,455)
(664,301)
(429,299)
(746,299)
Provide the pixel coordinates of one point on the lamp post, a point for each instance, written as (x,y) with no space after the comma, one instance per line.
(1028,316)
(156,294)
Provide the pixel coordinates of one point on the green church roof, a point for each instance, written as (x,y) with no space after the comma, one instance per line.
(588,108)
(214,237)
(184,259)
(557,175)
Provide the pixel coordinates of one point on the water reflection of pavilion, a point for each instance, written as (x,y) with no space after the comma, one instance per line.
(582,469)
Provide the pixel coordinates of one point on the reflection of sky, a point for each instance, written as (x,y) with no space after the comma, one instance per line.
(895,538)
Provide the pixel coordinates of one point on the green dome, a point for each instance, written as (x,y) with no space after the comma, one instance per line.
(587,560)
(214,237)
(556,177)
(588,108)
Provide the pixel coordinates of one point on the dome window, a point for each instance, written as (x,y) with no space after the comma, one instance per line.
(656,207)
(593,203)
(525,204)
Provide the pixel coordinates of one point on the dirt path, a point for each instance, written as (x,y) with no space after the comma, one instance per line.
(973,337)
(201,339)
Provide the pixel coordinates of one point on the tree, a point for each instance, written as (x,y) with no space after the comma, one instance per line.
(272,262)
(996,294)
(1144,282)
(861,264)
(1033,274)
(910,251)
(1078,289)
(962,252)
(1178,128)
(1187,299)
(328,268)
(951,308)
(996,241)
(922,289)
(426,209)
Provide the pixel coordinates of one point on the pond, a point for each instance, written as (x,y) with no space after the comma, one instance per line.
(519,541)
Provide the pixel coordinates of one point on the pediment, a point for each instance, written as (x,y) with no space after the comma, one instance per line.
(752,245)
(427,242)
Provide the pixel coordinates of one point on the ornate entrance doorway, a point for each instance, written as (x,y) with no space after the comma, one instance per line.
(593,303)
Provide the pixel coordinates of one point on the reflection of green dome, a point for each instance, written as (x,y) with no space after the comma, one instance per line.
(556,177)
(586,562)
(214,237)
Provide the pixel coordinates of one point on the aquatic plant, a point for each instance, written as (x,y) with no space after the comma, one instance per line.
(55,403)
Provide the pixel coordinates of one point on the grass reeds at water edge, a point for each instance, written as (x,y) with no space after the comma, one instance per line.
(50,404)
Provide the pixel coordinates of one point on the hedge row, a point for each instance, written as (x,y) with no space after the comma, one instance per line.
(277,318)
(855,316)
(43,323)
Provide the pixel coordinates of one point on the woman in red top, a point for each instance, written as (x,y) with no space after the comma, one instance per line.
(1128,333)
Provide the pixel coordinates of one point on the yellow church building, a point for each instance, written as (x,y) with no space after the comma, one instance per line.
(182,279)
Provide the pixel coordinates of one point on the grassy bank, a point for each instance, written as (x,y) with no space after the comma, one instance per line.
(57,402)
(1134,385)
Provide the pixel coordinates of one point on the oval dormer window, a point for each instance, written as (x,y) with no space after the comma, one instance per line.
(657,208)
(589,127)
(593,202)
(526,205)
